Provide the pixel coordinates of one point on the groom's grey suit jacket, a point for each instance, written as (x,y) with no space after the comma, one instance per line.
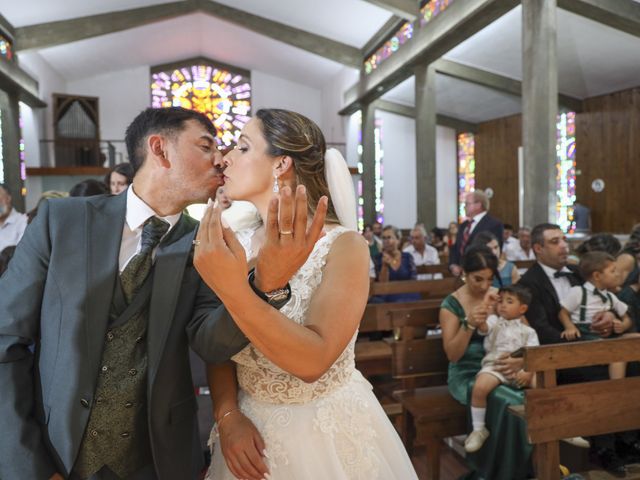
(56,296)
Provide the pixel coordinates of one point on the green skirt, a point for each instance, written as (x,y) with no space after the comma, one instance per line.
(506,455)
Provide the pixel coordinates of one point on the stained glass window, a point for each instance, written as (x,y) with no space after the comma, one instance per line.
(21,156)
(220,92)
(429,10)
(378,169)
(466,170)
(6,48)
(389,47)
(1,152)
(379,172)
(432,9)
(566,171)
(360,170)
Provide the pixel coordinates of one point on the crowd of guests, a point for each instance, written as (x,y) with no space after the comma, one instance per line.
(585,295)
(14,223)
(588,294)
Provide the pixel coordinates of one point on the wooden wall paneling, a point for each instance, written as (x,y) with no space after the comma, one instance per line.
(607,147)
(496,144)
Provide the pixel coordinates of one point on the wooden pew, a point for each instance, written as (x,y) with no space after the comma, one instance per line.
(442,269)
(429,414)
(427,288)
(582,409)
(525,264)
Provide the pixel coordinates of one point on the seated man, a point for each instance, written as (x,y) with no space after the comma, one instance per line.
(550,280)
(422,253)
(520,250)
(12,222)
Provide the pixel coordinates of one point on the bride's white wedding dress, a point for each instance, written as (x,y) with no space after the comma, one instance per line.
(331,429)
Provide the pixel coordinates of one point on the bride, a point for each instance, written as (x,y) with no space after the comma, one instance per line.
(292,405)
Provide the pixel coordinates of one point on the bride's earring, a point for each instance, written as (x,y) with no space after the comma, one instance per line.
(276,187)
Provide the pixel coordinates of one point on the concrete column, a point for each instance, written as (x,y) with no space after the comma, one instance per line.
(10,107)
(369,162)
(425,77)
(539,110)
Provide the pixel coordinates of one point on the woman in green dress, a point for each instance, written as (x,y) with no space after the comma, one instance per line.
(506,453)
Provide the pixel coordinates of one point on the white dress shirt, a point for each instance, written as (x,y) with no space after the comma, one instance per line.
(506,336)
(12,229)
(515,252)
(475,220)
(561,285)
(429,257)
(593,305)
(137,213)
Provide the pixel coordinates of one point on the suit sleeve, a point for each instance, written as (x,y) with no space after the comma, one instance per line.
(538,318)
(212,333)
(498,231)
(454,251)
(23,453)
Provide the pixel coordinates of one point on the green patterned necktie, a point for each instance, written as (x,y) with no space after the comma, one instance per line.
(136,271)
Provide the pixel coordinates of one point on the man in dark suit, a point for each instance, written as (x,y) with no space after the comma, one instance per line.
(98,309)
(476,206)
(549,280)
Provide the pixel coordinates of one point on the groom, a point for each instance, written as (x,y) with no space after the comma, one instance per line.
(98,309)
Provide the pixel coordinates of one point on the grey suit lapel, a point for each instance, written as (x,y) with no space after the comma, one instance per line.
(105,221)
(171,258)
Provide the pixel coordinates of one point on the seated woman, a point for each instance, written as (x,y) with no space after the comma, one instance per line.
(438,241)
(505,454)
(393,264)
(507,272)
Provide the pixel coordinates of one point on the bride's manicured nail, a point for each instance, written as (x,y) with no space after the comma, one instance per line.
(224,223)
(209,202)
(264,453)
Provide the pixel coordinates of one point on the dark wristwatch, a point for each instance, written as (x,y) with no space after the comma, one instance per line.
(276,298)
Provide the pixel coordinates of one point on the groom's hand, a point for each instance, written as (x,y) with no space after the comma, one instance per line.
(57,476)
(288,240)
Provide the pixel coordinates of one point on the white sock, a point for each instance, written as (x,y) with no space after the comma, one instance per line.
(477,418)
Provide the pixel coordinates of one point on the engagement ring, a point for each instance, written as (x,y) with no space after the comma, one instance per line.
(290,232)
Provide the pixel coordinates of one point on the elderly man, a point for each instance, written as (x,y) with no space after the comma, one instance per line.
(12,223)
(521,250)
(476,206)
(422,253)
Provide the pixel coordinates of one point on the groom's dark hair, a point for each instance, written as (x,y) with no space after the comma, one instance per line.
(166,121)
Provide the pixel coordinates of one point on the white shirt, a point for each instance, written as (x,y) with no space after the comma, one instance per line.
(476,219)
(593,304)
(429,257)
(508,242)
(12,229)
(515,252)
(137,213)
(561,285)
(507,336)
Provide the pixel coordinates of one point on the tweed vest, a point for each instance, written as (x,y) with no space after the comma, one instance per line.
(117,433)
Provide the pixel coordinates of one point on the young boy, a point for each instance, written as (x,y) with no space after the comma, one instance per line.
(504,334)
(584,302)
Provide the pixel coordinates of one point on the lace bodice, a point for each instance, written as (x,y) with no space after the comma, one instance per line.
(259,377)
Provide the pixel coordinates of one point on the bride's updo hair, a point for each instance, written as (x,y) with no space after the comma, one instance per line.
(289,133)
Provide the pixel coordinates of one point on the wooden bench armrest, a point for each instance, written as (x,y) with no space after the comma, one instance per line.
(581,354)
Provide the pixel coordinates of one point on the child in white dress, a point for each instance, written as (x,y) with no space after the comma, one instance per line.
(505,333)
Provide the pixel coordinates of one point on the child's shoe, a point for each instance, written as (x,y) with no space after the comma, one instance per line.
(475,440)
(577,442)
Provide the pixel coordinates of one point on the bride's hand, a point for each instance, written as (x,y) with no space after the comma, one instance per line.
(288,241)
(219,257)
(242,447)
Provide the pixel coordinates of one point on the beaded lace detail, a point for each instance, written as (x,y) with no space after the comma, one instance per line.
(263,380)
